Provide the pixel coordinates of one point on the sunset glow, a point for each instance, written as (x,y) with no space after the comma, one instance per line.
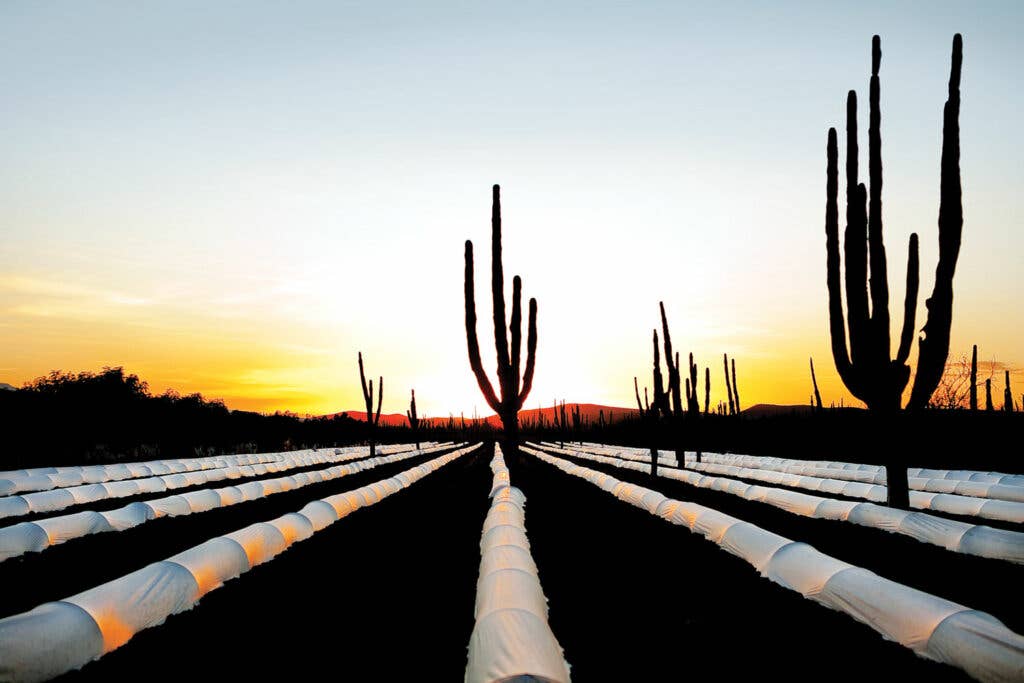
(235,200)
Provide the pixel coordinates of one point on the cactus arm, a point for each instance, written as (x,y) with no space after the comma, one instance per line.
(531,354)
(879,280)
(837,323)
(636,390)
(855,241)
(933,347)
(910,302)
(380,399)
(516,328)
(367,393)
(471,339)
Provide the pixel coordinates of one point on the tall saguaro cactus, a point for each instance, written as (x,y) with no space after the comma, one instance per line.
(513,393)
(414,420)
(371,419)
(866,368)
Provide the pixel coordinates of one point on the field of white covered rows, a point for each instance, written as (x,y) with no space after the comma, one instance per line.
(417,564)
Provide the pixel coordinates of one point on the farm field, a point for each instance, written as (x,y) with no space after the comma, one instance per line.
(628,594)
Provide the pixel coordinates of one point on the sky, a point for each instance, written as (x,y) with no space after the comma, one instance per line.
(237,197)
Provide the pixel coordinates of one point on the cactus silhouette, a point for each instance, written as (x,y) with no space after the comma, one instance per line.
(513,393)
(866,369)
(414,421)
(673,367)
(1007,395)
(660,397)
(989,406)
(728,385)
(371,419)
(707,390)
(816,400)
(974,378)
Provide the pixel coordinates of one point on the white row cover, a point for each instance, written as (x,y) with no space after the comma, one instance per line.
(45,478)
(965,505)
(57,637)
(511,638)
(39,535)
(961,482)
(58,499)
(970,539)
(929,625)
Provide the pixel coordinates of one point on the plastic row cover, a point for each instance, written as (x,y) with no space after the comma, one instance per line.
(57,637)
(511,637)
(970,539)
(962,482)
(929,625)
(58,499)
(1003,510)
(39,535)
(46,478)
(966,505)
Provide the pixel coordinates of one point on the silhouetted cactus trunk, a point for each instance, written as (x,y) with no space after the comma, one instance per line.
(1007,395)
(707,390)
(814,382)
(735,388)
(513,395)
(728,384)
(371,420)
(414,421)
(866,369)
(674,387)
(989,406)
(974,378)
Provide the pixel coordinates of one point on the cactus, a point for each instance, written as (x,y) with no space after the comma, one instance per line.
(866,369)
(673,368)
(989,406)
(707,390)
(372,420)
(414,421)
(974,378)
(513,394)
(735,387)
(816,398)
(1007,395)
(661,397)
(728,385)
(577,421)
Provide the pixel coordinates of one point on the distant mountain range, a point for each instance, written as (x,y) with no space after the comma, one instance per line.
(590,411)
(7,387)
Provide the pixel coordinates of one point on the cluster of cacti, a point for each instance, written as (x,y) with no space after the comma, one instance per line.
(513,392)
(371,419)
(866,368)
(414,421)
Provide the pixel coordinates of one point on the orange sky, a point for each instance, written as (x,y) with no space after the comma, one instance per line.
(238,209)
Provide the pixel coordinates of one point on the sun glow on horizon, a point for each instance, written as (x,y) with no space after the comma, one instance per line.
(313,199)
